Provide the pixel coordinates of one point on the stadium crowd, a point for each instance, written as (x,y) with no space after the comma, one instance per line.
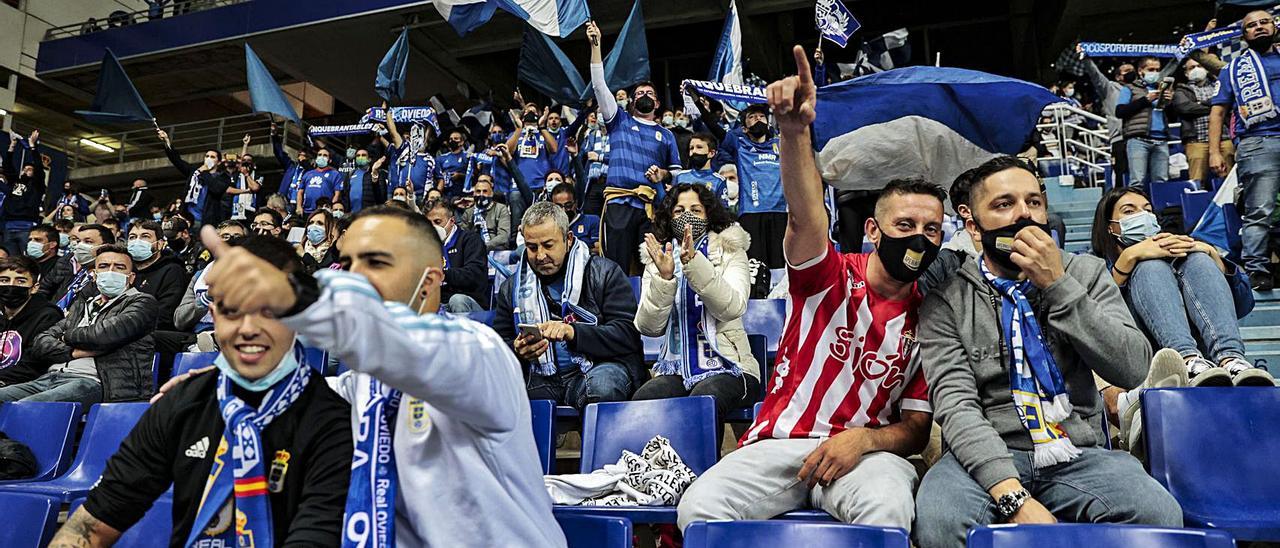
(635,219)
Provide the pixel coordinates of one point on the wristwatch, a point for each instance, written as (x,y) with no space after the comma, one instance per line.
(1009,503)
(306,292)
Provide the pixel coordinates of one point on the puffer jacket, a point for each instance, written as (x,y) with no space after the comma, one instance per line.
(722,278)
(122,333)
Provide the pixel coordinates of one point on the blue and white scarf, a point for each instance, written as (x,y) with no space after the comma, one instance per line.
(529,306)
(1039,393)
(247,480)
(1248,80)
(77,285)
(482,226)
(370,516)
(1101,49)
(690,348)
(448,244)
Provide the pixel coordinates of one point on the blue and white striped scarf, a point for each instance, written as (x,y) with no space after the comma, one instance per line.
(1248,80)
(690,348)
(369,519)
(530,307)
(1039,392)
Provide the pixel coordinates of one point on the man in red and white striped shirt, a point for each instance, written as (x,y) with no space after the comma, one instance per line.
(847,402)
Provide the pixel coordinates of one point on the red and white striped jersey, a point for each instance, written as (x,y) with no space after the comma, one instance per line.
(847,358)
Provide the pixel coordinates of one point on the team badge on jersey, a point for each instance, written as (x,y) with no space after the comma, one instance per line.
(419,422)
(279,467)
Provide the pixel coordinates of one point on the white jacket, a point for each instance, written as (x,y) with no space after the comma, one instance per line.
(467,467)
(722,278)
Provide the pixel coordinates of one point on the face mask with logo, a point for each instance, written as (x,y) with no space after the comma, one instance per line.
(322,161)
(141,250)
(288,364)
(906,258)
(315,234)
(83,252)
(111,284)
(1137,227)
(998,243)
(696,224)
(13,296)
(483,202)
(35,250)
(698,161)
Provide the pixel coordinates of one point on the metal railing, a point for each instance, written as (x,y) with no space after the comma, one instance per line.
(1083,149)
(121,18)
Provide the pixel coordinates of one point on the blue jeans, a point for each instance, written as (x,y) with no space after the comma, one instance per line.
(1258,167)
(16,234)
(1147,158)
(56,386)
(1099,486)
(605,381)
(1169,297)
(462,304)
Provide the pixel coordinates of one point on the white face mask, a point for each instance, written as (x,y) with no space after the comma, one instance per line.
(209,163)
(442,232)
(731,189)
(1197,74)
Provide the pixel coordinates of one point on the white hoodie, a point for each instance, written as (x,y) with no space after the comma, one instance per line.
(468,471)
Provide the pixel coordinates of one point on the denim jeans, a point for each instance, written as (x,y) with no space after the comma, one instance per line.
(1258,167)
(1148,161)
(605,381)
(56,386)
(1169,297)
(462,304)
(16,234)
(1099,486)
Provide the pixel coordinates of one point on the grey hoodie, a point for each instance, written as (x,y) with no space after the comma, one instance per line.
(1088,328)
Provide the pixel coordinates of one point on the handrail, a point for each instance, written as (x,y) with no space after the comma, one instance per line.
(121,18)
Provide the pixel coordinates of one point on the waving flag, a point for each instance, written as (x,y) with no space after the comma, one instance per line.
(264,93)
(391,71)
(835,22)
(925,122)
(546,68)
(553,17)
(1213,227)
(116,100)
(726,64)
(627,63)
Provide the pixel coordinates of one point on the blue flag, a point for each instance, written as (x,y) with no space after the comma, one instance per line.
(391,71)
(835,22)
(1216,224)
(552,17)
(925,122)
(628,62)
(117,100)
(726,64)
(546,68)
(265,94)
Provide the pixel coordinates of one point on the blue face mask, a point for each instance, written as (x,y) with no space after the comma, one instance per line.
(111,284)
(322,161)
(1150,78)
(1137,227)
(315,234)
(35,250)
(63,240)
(141,250)
(158,217)
(288,364)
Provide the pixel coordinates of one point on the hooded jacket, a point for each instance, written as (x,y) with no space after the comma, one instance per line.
(1086,326)
(166,279)
(35,317)
(122,333)
(721,278)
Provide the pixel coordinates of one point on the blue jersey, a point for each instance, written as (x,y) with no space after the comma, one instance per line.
(532,160)
(447,165)
(707,177)
(634,146)
(759,175)
(320,183)
(586,228)
(1226,97)
(560,160)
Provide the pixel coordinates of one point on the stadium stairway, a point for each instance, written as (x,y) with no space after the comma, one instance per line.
(1260,329)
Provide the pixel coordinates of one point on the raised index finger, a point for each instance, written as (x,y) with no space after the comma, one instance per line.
(802,66)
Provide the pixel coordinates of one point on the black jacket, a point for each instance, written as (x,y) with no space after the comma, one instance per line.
(122,333)
(141,208)
(24,195)
(468,271)
(37,316)
(165,280)
(52,272)
(607,294)
(215,185)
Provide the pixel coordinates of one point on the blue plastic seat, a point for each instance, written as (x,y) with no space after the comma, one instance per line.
(773,534)
(47,428)
(610,428)
(543,415)
(483,316)
(154,529)
(766,317)
(1193,205)
(585,531)
(106,427)
(636,283)
(29,520)
(187,361)
(758,349)
(1169,193)
(1094,535)
(1222,472)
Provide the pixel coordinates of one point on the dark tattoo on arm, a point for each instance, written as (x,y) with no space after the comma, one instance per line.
(78,532)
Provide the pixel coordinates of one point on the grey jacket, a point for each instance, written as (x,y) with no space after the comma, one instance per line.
(122,333)
(497,218)
(1088,328)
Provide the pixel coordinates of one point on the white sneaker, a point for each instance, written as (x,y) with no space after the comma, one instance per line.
(1168,370)
(1245,374)
(1205,373)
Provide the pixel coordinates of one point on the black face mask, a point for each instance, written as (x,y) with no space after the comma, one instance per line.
(1261,44)
(698,161)
(645,104)
(483,202)
(758,129)
(906,258)
(998,243)
(175,243)
(455,145)
(570,212)
(531,118)
(13,296)
(1129,77)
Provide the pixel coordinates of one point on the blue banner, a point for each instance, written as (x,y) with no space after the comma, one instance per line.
(1101,49)
(403,115)
(389,83)
(727,92)
(117,100)
(1201,40)
(835,21)
(264,92)
(348,129)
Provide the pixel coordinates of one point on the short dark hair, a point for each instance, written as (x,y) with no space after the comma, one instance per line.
(322,203)
(50,233)
(914,185)
(418,223)
(232,223)
(276,218)
(718,217)
(23,264)
(644,83)
(113,248)
(276,251)
(449,209)
(979,175)
(62,224)
(707,138)
(562,189)
(153,226)
(103,232)
(1146,59)
(959,192)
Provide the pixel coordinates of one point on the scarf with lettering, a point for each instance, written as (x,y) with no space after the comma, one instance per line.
(690,348)
(369,520)
(1248,80)
(529,306)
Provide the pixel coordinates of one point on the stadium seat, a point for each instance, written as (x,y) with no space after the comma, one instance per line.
(30,520)
(770,534)
(317,358)
(542,412)
(1193,205)
(766,317)
(584,531)
(1169,193)
(483,316)
(636,283)
(154,529)
(1222,472)
(188,361)
(155,372)
(609,428)
(758,346)
(1094,535)
(107,426)
(47,428)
